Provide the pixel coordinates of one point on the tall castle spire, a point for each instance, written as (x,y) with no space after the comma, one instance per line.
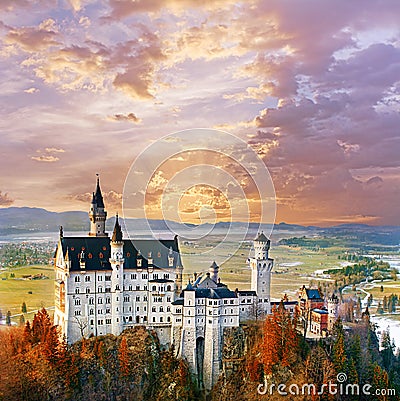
(98,195)
(117,233)
(97,213)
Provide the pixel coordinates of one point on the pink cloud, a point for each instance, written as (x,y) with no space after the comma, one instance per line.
(5,200)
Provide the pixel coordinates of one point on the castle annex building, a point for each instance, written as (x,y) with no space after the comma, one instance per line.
(106,284)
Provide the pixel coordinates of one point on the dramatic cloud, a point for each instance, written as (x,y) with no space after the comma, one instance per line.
(112,199)
(126,117)
(31,90)
(45,158)
(54,150)
(5,200)
(47,155)
(312,86)
(32,39)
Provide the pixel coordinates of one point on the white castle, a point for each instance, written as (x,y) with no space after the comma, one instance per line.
(105,285)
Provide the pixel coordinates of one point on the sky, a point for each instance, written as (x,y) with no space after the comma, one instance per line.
(311,86)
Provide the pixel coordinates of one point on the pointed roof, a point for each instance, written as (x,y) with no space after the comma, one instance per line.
(117,233)
(189,287)
(313,293)
(261,237)
(98,196)
(214,265)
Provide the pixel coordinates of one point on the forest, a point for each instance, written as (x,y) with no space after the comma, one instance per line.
(36,364)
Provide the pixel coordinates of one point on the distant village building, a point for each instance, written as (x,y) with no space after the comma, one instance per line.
(317,314)
(333,311)
(319,322)
(309,299)
(104,285)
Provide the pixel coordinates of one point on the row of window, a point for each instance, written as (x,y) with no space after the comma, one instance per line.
(209,322)
(130,288)
(244,300)
(160,309)
(133,276)
(100,322)
(127,298)
(108,310)
(202,321)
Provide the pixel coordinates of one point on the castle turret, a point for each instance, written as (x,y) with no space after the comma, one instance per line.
(261,247)
(117,284)
(333,307)
(261,266)
(188,337)
(178,269)
(97,213)
(214,269)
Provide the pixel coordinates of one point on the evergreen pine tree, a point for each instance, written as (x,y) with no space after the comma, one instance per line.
(352,378)
(387,350)
(385,303)
(339,354)
(355,351)
(380,380)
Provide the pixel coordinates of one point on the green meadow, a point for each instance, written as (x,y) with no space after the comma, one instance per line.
(35,293)
(293,267)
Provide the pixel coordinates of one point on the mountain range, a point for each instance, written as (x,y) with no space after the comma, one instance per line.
(27,220)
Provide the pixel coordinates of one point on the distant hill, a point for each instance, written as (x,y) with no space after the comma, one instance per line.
(26,220)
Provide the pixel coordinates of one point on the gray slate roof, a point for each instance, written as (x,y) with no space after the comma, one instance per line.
(262,238)
(215,293)
(313,293)
(97,252)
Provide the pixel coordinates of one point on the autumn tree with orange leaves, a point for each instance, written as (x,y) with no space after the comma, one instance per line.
(280,342)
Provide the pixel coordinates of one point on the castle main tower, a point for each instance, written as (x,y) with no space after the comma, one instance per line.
(261,267)
(97,213)
(117,283)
